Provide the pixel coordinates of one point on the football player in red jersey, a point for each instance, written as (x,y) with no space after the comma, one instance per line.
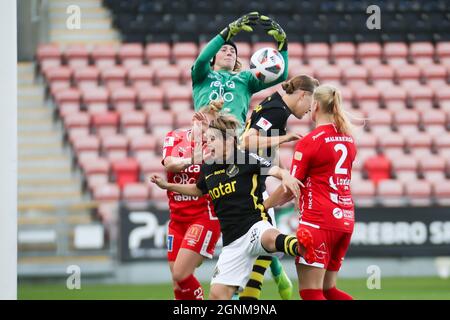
(323,162)
(193,228)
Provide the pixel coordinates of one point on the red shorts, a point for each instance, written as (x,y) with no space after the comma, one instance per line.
(330,248)
(199,235)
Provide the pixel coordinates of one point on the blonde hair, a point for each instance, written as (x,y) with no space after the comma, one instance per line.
(214,106)
(330,102)
(301,82)
(226,123)
(237,66)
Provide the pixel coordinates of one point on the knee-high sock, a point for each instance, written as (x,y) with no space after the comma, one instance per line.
(190,289)
(312,294)
(252,290)
(287,244)
(336,294)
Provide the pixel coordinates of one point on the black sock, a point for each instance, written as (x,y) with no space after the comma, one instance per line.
(287,244)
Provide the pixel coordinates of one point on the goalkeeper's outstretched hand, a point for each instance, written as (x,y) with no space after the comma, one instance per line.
(275,30)
(243,23)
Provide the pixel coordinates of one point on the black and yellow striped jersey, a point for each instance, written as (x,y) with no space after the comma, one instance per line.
(236,189)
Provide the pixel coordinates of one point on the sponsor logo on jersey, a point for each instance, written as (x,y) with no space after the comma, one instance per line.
(222,190)
(264,124)
(298,155)
(337,213)
(182,198)
(321,251)
(169,141)
(318,135)
(193,234)
(232,170)
(339,182)
(264,161)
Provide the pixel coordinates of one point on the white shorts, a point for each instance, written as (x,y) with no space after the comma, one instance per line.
(236,259)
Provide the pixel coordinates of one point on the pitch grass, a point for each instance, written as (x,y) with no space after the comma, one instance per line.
(391,289)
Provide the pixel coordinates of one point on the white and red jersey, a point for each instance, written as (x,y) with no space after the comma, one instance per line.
(183,208)
(323,162)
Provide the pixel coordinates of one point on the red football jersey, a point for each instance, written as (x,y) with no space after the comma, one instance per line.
(178,144)
(323,162)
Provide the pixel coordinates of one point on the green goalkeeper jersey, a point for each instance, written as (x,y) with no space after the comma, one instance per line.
(235,88)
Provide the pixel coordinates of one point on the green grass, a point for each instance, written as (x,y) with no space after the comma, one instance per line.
(391,288)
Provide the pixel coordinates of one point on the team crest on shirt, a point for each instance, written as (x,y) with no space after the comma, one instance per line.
(264,124)
(169,141)
(232,170)
(298,155)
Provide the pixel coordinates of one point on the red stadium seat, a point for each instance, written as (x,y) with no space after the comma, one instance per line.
(419,193)
(70,95)
(86,147)
(86,76)
(107,192)
(153,166)
(169,75)
(442,95)
(95,99)
(407,121)
(391,193)
(378,168)
(394,98)
(141,143)
(114,77)
(179,98)
(421,98)
(330,74)
(405,168)
(104,56)
(126,171)
(151,99)
(317,54)
(295,51)
(441,190)
(183,50)
(408,76)
(434,121)
(136,192)
(369,53)
(133,123)
(48,55)
(443,53)
(296,68)
(363,192)
(96,171)
(163,118)
(141,76)
(77,122)
(115,147)
(435,75)
(158,54)
(382,76)
(380,122)
(355,74)
(124,99)
(343,53)
(58,78)
(105,122)
(131,54)
(368,99)
(422,53)
(77,56)
(395,53)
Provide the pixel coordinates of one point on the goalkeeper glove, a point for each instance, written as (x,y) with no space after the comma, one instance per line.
(274,29)
(243,23)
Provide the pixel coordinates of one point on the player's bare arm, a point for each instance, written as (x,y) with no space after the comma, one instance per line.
(252,141)
(186,189)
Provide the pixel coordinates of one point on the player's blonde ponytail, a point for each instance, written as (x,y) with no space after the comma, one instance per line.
(330,102)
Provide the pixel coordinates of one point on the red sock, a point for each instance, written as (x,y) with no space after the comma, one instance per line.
(178,294)
(336,294)
(190,289)
(312,294)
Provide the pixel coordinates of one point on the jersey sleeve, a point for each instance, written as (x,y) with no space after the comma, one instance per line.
(269,119)
(256,85)
(201,65)
(201,183)
(301,159)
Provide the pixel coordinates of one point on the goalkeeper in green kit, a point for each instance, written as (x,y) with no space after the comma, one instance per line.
(217,75)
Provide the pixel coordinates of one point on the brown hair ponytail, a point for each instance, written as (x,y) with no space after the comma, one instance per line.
(301,82)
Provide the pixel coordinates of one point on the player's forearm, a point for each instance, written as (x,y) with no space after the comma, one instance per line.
(186,189)
(277,198)
(255,142)
(201,64)
(173,164)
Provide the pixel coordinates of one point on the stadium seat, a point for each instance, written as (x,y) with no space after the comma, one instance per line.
(104,56)
(362,155)
(136,192)
(131,55)
(363,192)
(86,147)
(96,171)
(114,77)
(184,119)
(391,193)
(151,99)
(124,99)
(153,165)
(434,121)
(366,140)
(394,98)
(435,75)
(389,141)
(408,76)
(442,95)
(419,193)
(95,99)
(330,74)
(168,76)
(407,121)
(115,147)
(422,53)
(443,53)
(432,168)
(86,76)
(317,54)
(378,168)
(369,53)
(380,122)
(441,190)
(48,55)
(421,98)
(107,192)
(382,76)
(419,144)
(161,119)
(179,98)
(59,78)
(77,56)
(395,53)
(343,53)
(296,51)
(125,171)
(143,143)
(105,122)
(367,99)
(441,144)
(184,50)
(141,76)
(355,74)
(158,54)
(77,123)
(405,168)
(133,123)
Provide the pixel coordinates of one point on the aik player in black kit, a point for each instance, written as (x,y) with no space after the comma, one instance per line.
(234,180)
(265,131)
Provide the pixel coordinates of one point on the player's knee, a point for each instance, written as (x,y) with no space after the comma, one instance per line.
(220,293)
(179,274)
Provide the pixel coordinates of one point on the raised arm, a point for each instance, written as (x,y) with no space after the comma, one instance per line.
(186,189)
(278,198)
(252,141)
